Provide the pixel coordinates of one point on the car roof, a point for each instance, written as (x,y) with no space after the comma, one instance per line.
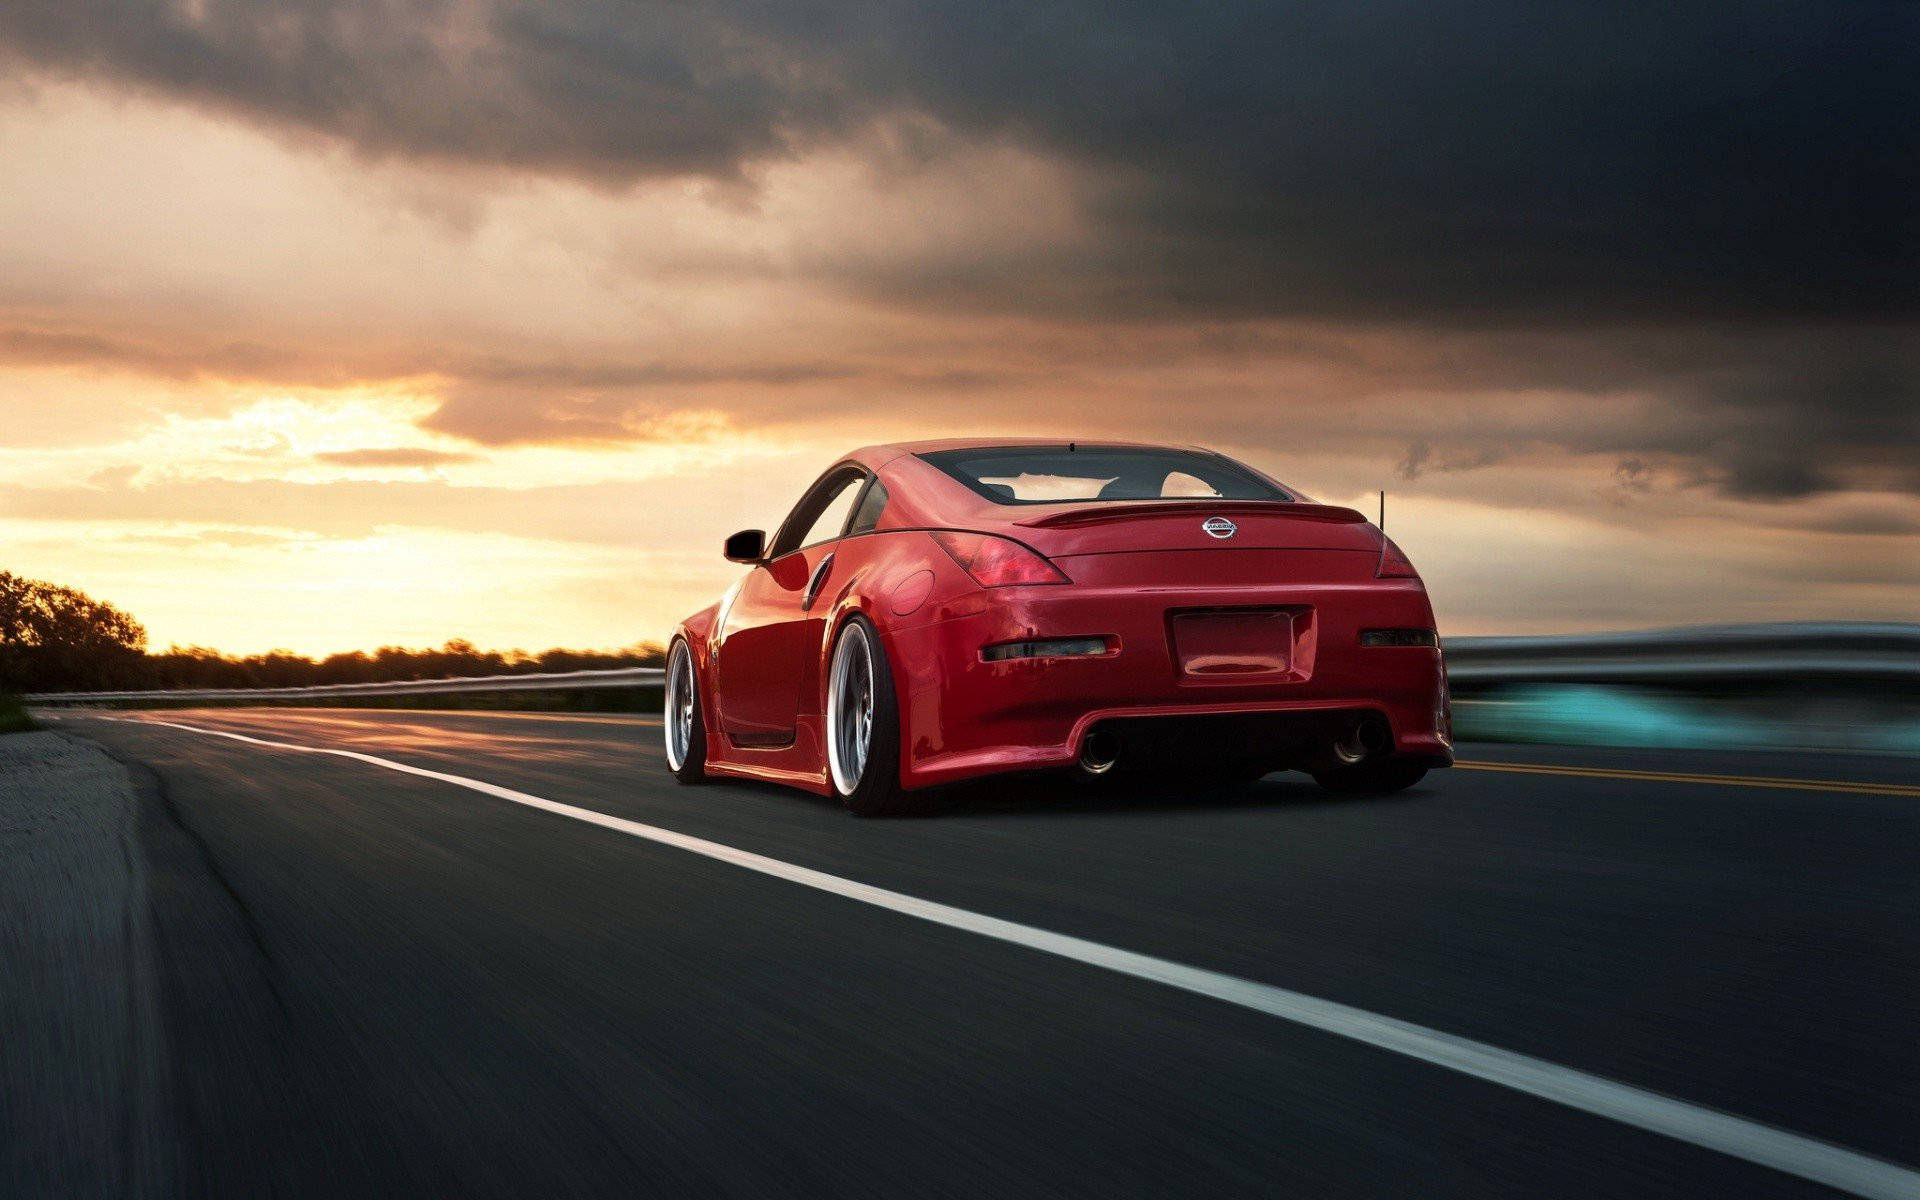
(884,453)
(927,495)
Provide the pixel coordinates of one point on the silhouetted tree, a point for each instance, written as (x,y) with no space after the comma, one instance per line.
(199,667)
(55,638)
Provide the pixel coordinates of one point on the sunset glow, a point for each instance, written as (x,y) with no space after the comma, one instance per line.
(272,384)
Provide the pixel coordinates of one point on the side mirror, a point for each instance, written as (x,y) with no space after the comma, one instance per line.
(747,546)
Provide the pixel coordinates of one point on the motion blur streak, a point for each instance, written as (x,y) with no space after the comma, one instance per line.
(1793,1154)
(1751,781)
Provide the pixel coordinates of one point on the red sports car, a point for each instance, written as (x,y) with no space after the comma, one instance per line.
(938,611)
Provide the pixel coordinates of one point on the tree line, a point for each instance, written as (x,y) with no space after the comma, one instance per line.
(58,639)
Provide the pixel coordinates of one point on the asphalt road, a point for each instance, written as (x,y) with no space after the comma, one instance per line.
(379,983)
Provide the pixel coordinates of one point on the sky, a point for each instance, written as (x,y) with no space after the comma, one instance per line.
(329,324)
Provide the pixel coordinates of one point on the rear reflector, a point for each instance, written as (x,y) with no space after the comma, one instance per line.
(1047,648)
(1397,637)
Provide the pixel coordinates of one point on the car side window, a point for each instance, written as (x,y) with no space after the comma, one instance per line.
(872,504)
(821,514)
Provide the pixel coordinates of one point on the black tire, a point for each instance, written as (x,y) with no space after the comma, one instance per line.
(1381,778)
(878,792)
(693,765)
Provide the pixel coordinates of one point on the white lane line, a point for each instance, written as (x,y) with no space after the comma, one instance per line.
(1808,1158)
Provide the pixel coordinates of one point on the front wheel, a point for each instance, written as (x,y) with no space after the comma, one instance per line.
(686,731)
(863,726)
(1372,778)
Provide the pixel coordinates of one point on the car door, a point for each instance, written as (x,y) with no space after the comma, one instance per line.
(772,632)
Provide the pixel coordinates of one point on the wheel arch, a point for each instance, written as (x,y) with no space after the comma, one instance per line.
(849,604)
(855,603)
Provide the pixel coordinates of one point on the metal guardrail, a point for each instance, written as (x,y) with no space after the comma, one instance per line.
(563,681)
(1784,652)
(1795,652)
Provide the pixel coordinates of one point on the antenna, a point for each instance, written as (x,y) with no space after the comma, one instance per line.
(1383,510)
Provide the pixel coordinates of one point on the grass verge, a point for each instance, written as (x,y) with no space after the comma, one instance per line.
(13,717)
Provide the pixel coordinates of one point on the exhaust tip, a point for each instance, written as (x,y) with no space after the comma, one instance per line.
(1099,752)
(1363,739)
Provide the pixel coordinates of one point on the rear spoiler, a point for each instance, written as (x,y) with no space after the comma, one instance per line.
(1120,510)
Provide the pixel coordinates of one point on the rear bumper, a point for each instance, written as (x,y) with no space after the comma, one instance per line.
(964,716)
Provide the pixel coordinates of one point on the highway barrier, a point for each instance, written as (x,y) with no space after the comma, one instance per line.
(1851,685)
(1796,652)
(1802,685)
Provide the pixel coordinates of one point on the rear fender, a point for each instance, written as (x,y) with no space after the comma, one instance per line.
(866,593)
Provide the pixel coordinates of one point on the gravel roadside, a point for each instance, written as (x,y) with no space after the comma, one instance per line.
(82,1064)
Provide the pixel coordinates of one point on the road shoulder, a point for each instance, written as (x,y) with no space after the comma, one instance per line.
(85,1109)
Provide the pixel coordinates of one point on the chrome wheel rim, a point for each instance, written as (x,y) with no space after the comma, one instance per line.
(679,714)
(850,709)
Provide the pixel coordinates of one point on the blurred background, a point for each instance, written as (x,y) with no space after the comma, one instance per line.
(338,326)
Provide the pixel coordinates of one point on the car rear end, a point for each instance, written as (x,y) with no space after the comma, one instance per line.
(1182,632)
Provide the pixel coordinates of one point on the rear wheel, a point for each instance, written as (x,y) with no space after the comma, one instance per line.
(1380,778)
(863,726)
(686,731)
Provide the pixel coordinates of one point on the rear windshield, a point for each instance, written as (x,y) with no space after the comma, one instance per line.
(1052,474)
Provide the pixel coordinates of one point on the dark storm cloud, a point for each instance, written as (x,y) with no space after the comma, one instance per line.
(1707,205)
(1794,416)
(1795,433)
(1758,414)
(1456,162)
(593,89)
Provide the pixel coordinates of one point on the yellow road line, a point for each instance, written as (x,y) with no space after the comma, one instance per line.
(1751,781)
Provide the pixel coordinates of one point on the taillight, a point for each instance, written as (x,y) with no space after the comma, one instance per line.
(1394,564)
(995,561)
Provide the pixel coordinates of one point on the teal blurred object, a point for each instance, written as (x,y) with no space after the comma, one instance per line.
(1612,715)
